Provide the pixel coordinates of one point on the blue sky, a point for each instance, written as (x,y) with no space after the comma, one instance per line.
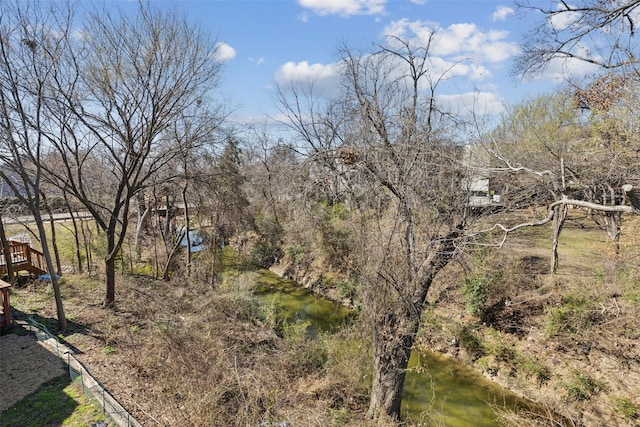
(269,42)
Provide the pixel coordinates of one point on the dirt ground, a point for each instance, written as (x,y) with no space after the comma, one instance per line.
(24,366)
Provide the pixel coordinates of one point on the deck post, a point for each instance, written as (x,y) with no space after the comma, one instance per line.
(5,317)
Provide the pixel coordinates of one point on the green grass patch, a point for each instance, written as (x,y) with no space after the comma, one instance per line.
(583,387)
(626,408)
(576,315)
(627,279)
(60,402)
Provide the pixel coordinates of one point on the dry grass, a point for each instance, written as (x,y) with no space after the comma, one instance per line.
(582,322)
(178,354)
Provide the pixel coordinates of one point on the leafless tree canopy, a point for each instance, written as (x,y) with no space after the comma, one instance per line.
(25,78)
(599,32)
(106,102)
(402,175)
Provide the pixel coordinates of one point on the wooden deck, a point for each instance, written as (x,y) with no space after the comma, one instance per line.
(23,258)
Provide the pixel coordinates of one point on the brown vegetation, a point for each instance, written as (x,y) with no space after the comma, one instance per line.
(568,340)
(177,354)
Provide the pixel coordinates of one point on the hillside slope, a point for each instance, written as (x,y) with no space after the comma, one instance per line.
(567,340)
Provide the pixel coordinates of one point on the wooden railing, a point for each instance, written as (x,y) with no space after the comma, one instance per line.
(23,258)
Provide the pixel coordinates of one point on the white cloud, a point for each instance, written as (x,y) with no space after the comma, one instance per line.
(345,7)
(441,67)
(324,78)
(462,41)
(459,51)
(224,52)
(559,69)
(502,13)
(482,103)
(303,71)
(303,17)
(258,61)
(79,35)
(469,41)
(564,18)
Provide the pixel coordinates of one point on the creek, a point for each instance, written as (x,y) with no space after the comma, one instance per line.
(438,390)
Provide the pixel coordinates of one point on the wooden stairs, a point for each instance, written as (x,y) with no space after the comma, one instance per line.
(23,258)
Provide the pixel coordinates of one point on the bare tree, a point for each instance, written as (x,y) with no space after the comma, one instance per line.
(270,170)
(597,32)
(26,30)
(405,169)
(117,93)
(600,34)
(612,102)
(573,168)
(538,146)
(199,137)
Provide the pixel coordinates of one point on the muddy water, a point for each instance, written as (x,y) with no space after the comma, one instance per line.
(438,390)
(294,303)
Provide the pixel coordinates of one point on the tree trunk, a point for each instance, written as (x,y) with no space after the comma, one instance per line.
(613,223)
(167,265)
(87,245)
(559,216)
(395,326)
(52,225)
(76,235)
(187,228)
(7,254)
(62,319)
(54,244)
(110,270)
(167,222)
(143,214)
(394,338)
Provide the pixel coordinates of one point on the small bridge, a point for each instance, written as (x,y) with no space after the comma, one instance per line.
(23,258)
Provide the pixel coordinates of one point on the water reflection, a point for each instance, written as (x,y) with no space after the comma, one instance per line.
(441,391)
(295,303)
(438,390)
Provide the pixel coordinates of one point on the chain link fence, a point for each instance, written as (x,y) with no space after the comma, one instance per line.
(77,371)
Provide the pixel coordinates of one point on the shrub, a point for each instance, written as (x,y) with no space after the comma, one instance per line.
(295,253)
(576,315)
(469,340)
(476,292)
(346,289)
(264,253)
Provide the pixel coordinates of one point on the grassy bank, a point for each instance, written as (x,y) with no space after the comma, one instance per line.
(176,353)
(60,402)
(568,340)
